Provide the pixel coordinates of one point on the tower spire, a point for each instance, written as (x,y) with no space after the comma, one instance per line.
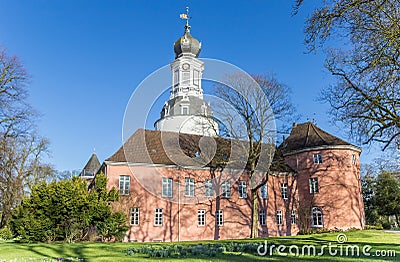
(186,17)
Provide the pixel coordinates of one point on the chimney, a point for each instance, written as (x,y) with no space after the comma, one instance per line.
(294,124)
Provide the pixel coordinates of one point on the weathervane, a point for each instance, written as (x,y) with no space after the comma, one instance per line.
(187,17)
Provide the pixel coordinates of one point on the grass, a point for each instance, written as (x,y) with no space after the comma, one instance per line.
(378,240)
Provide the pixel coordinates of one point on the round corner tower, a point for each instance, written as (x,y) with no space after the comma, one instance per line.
(328,175)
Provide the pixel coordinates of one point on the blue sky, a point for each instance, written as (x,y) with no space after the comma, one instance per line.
(87,57)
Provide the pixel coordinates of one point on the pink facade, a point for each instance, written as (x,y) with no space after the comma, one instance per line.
(339,193)
(319,187)
(181,224)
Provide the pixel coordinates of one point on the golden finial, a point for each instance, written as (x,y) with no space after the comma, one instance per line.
(187,17)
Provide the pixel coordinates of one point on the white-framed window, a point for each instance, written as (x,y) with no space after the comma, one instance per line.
(317,158)
(209,188)
(284,189)
(264,191)
(176,77)
(189,187)
(353,159)
(186,78)
(204,110)
(262,217)
(167,187)
(196,77)
(219,214)
(226,188)
(135,216)
(184,110)
(314,185)
(158,217)
(166,109)
(124,185)
(293,217)
(317,219)
(201,217)
(279,217)
(242,189)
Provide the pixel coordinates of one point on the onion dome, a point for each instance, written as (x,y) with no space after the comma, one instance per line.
(187,44)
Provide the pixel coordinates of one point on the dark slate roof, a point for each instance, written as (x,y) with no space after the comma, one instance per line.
(195,106)
(169,148)
(308,135)
(92,166)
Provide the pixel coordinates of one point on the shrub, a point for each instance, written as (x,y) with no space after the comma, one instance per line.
(6,233)
(66,210)
(377,227)
(310,231)
(352,229)
(387,225)
(209,250)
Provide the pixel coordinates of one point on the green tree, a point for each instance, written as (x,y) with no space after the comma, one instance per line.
(387,195)
(365,59)
(64,211)
(368,185)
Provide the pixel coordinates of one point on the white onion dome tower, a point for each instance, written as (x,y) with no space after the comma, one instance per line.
(186,111)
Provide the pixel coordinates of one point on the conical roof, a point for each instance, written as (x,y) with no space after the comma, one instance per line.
(308,135)
(92,166)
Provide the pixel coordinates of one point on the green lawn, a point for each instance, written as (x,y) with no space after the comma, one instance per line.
(378,240)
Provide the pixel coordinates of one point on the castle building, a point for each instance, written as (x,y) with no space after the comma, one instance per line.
(313,182)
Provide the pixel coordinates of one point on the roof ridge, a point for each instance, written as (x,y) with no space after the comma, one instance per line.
(307,135)
(317,132)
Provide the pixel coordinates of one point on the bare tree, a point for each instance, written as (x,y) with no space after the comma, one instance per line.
(252,104)
(20,168)
(14,111)
(21,149)
(366,97)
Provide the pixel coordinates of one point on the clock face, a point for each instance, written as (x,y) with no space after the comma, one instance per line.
(186,66)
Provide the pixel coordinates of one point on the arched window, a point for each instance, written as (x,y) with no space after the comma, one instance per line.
(317,217)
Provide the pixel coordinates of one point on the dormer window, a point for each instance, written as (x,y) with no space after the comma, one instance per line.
(185,110)
(204,110)
(166,109)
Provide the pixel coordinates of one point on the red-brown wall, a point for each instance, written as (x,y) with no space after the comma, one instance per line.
(339,196)
(237,211)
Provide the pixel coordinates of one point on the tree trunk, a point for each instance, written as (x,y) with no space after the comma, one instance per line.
(397,220)
(254,213)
